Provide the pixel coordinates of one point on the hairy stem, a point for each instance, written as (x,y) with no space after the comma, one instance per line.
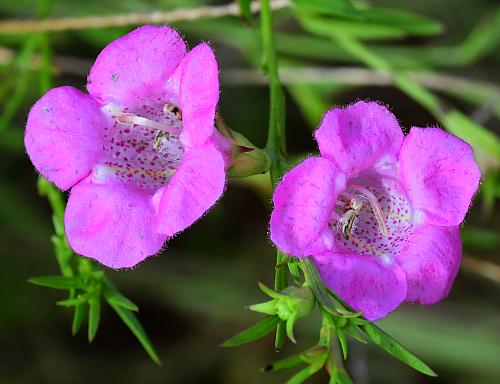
(275,146)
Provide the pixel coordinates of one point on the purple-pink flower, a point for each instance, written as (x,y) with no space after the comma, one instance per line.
(378,212)
(139,152)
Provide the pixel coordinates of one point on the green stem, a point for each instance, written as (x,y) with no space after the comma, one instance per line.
(276,143)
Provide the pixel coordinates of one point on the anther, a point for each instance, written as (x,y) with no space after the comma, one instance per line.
(170,108)
(132,119)
(377,210)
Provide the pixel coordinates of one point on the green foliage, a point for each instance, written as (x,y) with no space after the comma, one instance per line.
(246,13)
(58,282)
(255,332)
(132,322)
(338,319)
(334,32)
(368,22)
(391,346)
(87,284)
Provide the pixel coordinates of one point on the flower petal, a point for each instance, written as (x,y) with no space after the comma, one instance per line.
(358,136)
(431,261)
(134,68)
(64,135)
(199,94)
(303,203)
(112,223)
(439,173)
(366,283)
(195,187)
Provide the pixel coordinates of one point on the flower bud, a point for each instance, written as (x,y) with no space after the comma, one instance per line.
(289,305)
(247,159)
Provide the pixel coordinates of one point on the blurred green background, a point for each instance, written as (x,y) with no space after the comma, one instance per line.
(439,68)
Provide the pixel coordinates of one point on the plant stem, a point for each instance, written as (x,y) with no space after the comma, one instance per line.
(276,145)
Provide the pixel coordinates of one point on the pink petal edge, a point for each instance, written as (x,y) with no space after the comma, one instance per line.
(64,135)
(359,135)
(134,68)
(303,202)
(199,94)
(366,283)
(195,187)
(431,261)
(112,223)
(439,173)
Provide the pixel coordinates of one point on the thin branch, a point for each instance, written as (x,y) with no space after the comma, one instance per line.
(357,77)
(474,91)
(487,94)
(157,17)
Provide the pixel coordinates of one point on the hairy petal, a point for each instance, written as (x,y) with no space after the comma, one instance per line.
(112,223)
(366,283)
(64,135)
(431,260)
(439,173)
(303,203)
(195,187)
(199,94)
(133,69)
(358,136)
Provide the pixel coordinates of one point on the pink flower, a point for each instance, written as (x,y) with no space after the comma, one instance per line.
(139,152)
(377,211)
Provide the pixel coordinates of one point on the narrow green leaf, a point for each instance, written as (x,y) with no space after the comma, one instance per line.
(256,331)
(280,337)
(340,377)
(57,282)
(94,315)
(304,374)
(406,21)
(391,346)
(112,295)
(343,341)
(267,308)
(289,327)
(321,293)
(355,333)
(342,8)
(315,355)
(245,11)
(482,40)
(282,364)
(294,268)
(78,317)
(131,321)
(269,292)
(80,299)
(326,26)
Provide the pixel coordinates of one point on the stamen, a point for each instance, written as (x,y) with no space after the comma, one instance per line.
(170,108)
(131,119)
(377,211)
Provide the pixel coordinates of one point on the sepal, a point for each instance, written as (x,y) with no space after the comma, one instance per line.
(288,305)
(247,159)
